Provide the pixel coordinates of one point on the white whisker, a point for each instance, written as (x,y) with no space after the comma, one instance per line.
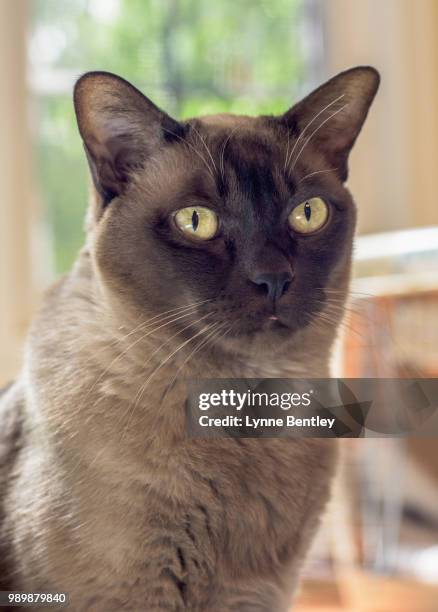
(206,147)
(317,172)
(144,386)
(157,350)
(310,123)
(162,316)
(222,161)
(211,336)
(306,142)
(173,319)
(185,141)
(286,157)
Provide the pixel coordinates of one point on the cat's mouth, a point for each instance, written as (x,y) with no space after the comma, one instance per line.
(275,320)
(285,321)
(270,323)
(275,323)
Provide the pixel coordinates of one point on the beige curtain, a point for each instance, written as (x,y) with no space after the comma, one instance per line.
(395,164)
(16,210)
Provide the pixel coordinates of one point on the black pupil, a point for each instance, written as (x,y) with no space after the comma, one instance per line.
(307,211)
(195,220)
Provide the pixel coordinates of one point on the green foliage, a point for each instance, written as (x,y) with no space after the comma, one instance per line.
(190,56)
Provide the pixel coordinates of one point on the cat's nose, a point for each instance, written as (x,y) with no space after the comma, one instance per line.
(275,284)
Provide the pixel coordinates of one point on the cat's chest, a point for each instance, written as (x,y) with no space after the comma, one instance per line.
(212,510)
(246,501)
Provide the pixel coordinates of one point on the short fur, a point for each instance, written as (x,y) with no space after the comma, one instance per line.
(102,493)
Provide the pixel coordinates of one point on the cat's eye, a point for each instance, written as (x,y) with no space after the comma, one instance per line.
(197,222)
(309,216)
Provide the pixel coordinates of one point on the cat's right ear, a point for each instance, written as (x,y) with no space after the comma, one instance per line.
(120,129)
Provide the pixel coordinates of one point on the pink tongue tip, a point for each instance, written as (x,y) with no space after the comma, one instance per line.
(273,318)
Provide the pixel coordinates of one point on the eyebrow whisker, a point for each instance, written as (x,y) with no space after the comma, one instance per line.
(310,123)
(306,142)
(317,172)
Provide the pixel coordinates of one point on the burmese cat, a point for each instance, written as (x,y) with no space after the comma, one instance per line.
(214,246)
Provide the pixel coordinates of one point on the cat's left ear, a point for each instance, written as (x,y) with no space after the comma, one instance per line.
(330,118)
(120,128)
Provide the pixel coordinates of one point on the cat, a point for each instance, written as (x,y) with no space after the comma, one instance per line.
(216,247)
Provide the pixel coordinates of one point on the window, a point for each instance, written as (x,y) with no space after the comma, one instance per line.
(189,56)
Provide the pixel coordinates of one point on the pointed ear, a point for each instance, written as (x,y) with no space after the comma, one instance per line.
(331,117)
(120,128)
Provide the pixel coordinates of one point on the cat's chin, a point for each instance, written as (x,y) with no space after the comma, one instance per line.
(277,325)
(272,326)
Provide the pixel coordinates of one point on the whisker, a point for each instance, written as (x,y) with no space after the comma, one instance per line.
(310,123)
(317,172)
(172,318)
(350,292)
(142,337)
(163,363)
(186,142)
(143,324)
(222,160)
(340,306)
(174,310)
(347,316)
(306,142)
(144,386)
(287,151)
(157,350)
(206,147)
(202,344)
(338,323)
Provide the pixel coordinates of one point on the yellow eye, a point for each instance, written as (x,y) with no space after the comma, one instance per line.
(197,222)
(309,216)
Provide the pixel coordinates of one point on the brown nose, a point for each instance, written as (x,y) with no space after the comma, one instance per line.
(275,284)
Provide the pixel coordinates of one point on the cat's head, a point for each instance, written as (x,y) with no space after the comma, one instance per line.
(245,218)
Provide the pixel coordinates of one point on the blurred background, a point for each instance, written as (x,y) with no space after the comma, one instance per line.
(378,549)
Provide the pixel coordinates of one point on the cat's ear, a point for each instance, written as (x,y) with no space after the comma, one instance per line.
(120,128)
(331,117)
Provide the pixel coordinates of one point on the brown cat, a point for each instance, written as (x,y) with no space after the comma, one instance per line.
(214,249)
